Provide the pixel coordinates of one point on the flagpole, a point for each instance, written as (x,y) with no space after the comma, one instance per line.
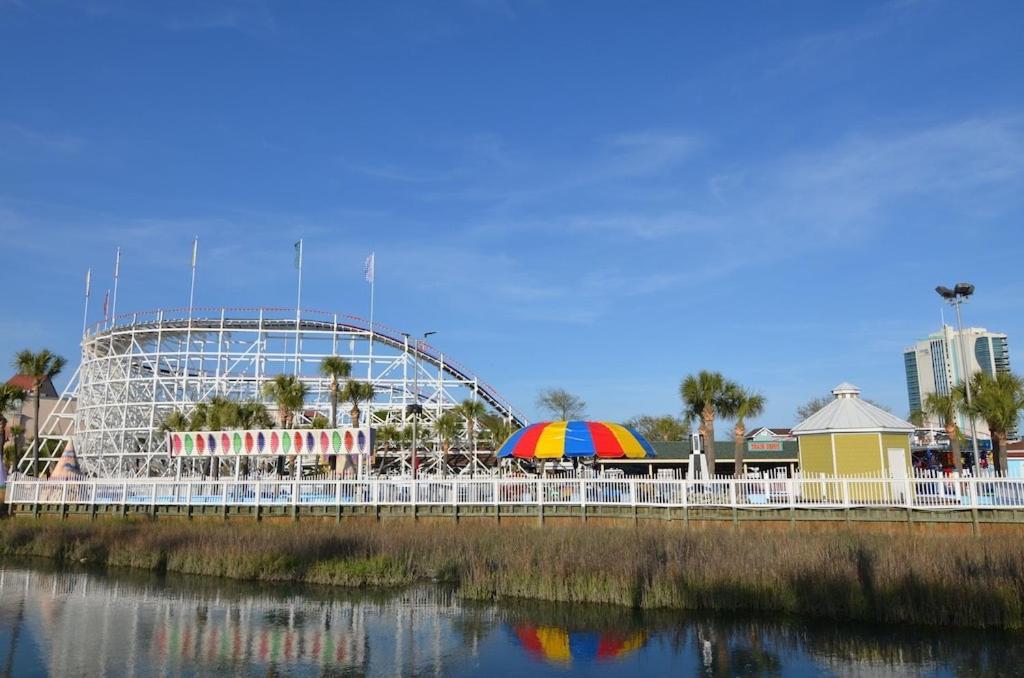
(192,289)
(188,332)
(117,276)
(372,270)
(88,287)
(298,309)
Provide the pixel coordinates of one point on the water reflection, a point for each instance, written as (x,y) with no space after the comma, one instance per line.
(73,623)
(563,646)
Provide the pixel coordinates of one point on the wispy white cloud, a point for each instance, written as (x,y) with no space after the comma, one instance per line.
(645,153)
(12,133)
(250,18)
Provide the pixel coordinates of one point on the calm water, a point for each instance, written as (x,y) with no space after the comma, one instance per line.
(64,623)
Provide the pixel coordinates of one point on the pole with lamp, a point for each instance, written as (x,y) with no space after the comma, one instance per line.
(416,409)
(956,296)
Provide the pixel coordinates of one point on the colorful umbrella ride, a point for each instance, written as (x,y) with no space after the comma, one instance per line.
(558,645)
(557,439)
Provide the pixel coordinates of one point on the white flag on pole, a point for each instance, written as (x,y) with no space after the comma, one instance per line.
(88,282)
(368,267)
(195,250)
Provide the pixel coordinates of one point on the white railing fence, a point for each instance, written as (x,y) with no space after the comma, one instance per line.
(939,493)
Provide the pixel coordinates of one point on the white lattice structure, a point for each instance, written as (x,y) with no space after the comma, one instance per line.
(141,367)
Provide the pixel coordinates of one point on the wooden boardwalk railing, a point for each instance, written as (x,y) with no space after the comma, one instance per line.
(919,494)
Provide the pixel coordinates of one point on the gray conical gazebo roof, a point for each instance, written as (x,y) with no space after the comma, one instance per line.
(848,413)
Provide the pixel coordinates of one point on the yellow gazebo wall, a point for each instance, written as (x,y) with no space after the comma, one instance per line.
(858,454)
(816,455)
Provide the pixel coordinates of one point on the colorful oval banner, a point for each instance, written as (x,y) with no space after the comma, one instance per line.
(271,442)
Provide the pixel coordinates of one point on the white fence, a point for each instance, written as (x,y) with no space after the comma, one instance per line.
(936,494)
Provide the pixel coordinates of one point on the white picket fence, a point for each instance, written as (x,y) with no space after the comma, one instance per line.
(936,494)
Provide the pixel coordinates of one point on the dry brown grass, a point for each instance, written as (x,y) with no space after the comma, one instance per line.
(929,579)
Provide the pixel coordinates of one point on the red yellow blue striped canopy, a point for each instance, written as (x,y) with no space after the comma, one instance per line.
(557,439)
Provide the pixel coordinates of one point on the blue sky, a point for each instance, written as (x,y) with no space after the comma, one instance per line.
(598,196)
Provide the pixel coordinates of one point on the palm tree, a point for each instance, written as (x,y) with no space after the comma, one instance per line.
(472,410)
(252,414)
(945,407)
(498,428)
(336,368)
(705,395)
(16,433)
(221,414)
(447,428)
(356,392)
(289,394)
(40,367)
(998,400)
(176,420)
(743,403)
(387,435)
(10,398)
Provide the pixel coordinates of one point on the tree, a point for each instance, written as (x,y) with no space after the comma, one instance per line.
(706,395)
(289,394)
(744,403)
(815,404)
(319,421)
(388,435)
(336,368)
(447,428)
(176,420)
(40,367)
(16,433)
(562,405)
(471,410)
(665,428)
(356,392)
(499,429)
(252,414)
(221,414)
(998,400)
(11,397)
(945,408)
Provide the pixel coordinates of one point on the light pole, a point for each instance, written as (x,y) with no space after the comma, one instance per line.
(955,297)
(416,409)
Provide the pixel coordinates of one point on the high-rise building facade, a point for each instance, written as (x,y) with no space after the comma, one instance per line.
(936,365)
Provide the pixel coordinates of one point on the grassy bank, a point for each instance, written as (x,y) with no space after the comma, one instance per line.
(933,579)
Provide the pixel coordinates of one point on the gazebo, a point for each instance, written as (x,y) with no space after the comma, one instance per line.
(850,436)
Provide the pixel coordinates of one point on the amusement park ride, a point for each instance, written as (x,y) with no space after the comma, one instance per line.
(138,368)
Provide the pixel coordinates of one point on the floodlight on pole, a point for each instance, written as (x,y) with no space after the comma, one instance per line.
(415,409)
(955,297)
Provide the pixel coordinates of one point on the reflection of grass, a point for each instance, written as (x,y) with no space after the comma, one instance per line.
(930,579)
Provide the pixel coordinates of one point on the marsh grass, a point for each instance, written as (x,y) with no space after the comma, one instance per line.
(846,575)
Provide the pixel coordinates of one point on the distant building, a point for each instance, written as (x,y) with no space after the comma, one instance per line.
(766,433)
(935,365)
(49,400)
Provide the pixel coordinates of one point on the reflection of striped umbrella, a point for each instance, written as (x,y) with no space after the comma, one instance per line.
(558,645)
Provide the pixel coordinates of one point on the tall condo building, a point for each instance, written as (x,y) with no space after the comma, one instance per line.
(936,365)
